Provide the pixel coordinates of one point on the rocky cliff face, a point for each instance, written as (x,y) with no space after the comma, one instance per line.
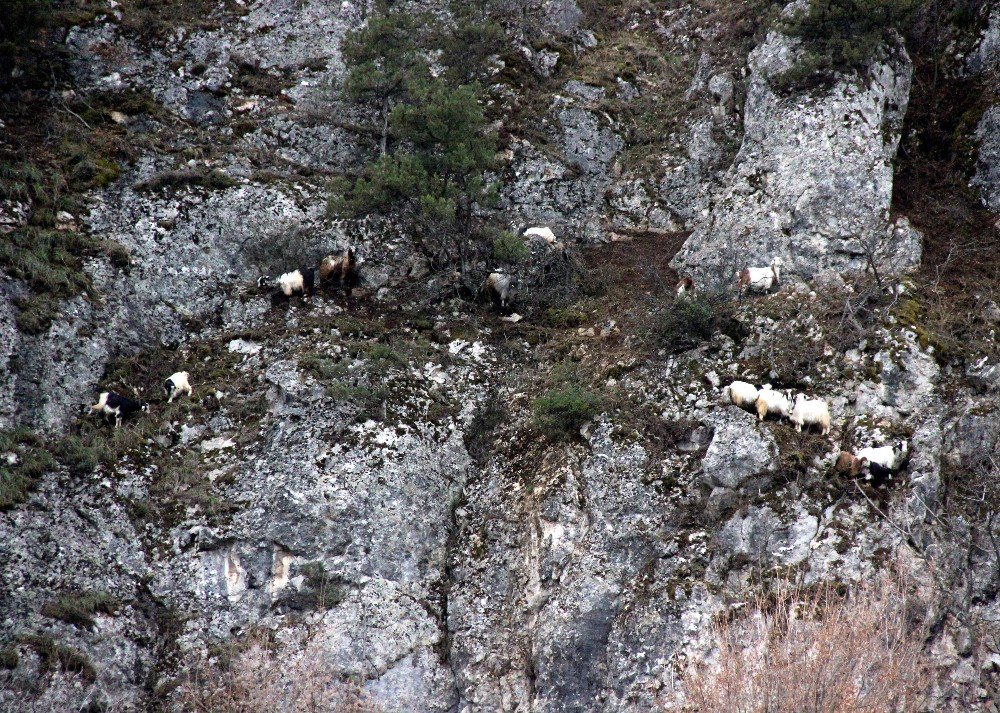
(814,172)
(367,471)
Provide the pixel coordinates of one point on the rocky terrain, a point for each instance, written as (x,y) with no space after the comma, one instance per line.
(371,471)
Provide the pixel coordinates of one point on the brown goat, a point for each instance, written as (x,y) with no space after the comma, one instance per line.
(337,269)
(685,286)
(850,463)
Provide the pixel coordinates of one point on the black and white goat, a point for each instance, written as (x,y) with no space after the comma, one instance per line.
(297,282)
(177,384)
(884,461)
(111,404)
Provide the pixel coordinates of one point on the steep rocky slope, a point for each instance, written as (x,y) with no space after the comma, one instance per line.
(368,470)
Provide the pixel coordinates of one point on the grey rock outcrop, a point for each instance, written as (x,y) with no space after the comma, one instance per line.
(739,450)
(812,181)
(987,175)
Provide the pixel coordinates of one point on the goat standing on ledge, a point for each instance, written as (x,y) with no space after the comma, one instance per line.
(111,404)
(810,412)
(498,288)
(176,384)
(338,270)
(741,394)
(685,286)
(297,282)
(759,279)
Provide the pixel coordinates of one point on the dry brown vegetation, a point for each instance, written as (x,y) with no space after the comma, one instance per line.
(257,676)
(820,650)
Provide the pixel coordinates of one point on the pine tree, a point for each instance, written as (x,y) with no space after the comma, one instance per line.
(383,58)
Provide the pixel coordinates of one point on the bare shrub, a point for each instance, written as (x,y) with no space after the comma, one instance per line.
(257,676)
(818,651)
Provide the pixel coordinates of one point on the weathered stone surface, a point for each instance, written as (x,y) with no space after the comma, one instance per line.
(739,449)
(987,175)
(812,181)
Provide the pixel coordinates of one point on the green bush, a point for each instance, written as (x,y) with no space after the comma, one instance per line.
(79,609)
(561,413)
(840,35)
(684,324)
(510,248)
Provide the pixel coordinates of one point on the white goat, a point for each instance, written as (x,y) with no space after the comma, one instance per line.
(810,412)
(740,393)
(771,401)
(545,234)
(176,384)
(760,279)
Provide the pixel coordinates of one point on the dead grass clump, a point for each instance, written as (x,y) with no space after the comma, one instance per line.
(259,677)
(175,179)
(821,651)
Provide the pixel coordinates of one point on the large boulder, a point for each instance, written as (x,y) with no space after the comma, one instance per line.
(812,181)
(739,450)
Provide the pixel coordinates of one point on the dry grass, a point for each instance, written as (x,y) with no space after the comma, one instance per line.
(258,677)
(818,651)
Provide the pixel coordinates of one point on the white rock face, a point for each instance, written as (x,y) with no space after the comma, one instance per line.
(812,181)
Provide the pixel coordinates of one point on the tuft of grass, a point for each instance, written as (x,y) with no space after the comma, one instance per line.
(563,317)
(79,608)
(560,413)
(260,675)
(9,658)
(36,313)
(378,352)
(822,650)
(33,460)
(58,658)
(82,456)
(212,180)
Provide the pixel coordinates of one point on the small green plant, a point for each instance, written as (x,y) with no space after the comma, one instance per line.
(564,317)
(31,459)
(839,35)
(562,412)
(213,179)
(510,248)
(321,590)
(9,658)
(79,609)
(684,324)
(378,352)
